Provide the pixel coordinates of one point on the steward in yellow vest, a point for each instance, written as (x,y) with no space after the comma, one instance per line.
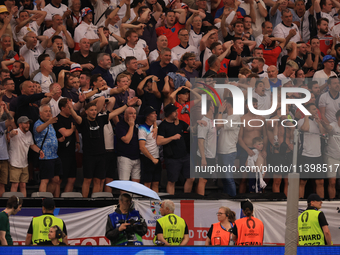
(171,229)
(312,224)
(40,226)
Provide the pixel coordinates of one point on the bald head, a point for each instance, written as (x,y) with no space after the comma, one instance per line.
(162,42)
(272,72)
(46,66)
(130,112)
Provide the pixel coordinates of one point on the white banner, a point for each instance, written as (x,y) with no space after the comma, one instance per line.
(198,214)
(273,216)
(88,227)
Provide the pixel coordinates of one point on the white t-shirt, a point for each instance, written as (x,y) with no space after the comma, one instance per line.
(259,40)
(321,77)
(304,31)
(137,52)
(333,144)
(108,134)
(32,27)
(257,26)
(104,93)
(54,106)
(179,51)
(52,10)
(84,31)
(100,7)
(263,102)
(336,33)
(228,136)
(332,105)
(282,31)
(49,32)
(44,81)
(145,133)
(19,147)
(330,17)
(311,142)
(195,39)
(207,54)
(31,56)
(141,43)
(115,30)
(209,134)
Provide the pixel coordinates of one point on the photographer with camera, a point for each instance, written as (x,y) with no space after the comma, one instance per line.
(125,226)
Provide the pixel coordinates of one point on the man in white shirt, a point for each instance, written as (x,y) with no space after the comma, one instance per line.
(290,69)
(325,9)
(263,95)
(44,77)
(58,29)
(86,29)
(162,43)
(21,141)
(287,29)
(27,23)
(184,47)
(56,7)
(258,9)
(100,6)
(267,29)
(131,49)
(32,49)
(322,76)
(329,102)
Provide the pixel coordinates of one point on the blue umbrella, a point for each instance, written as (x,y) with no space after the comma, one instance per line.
(134,187)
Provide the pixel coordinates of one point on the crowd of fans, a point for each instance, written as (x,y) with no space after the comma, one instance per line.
(111,79)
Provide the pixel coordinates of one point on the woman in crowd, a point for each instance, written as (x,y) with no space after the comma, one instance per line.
(219,232)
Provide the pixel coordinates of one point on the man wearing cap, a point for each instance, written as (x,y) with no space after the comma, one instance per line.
(322,76)
(312,224)
(5,19)
(59,29)
(56,7)
(21,141)
(44,77)
(76,70)
(40,226)
(85,29)
(150,164)
(170,135)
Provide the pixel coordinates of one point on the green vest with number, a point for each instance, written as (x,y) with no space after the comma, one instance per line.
(310,232)
(41,226)
(173,228)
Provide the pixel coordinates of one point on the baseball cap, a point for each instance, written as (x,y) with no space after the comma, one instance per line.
(170,108)
(148,110)
(23,119)
(85,11)
(327,58)
(3,9)
(313,197)
(75,67)
(48,203)
(248,205)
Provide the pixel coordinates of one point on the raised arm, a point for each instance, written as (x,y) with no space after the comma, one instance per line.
(182,15)
(41,16)
(75,116)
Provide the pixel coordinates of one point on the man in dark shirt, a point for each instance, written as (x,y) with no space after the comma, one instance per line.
(170,135)
(127,147)
(91,127)
(19,72)
(67,140)
(104,64)
(132,68)
(239,44)
(86,58)
(188,60)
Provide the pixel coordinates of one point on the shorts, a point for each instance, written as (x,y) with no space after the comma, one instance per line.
(305,166)
(332,166)
(128,167)
(176,166)
(17,175)
(111,164)
(50,168)
(3,171)
(150,171)
(94,166)
(279,160)
(69,167)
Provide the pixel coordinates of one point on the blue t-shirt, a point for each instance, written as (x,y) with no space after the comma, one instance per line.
(274,85)
(50,147)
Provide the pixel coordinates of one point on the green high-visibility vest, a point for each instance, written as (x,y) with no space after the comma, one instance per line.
(41,226)
(310,232)
(173,228)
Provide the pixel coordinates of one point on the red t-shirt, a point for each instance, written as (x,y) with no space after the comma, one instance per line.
(224,66)
(326,43)
(171,34)
(271,55)
(184,116)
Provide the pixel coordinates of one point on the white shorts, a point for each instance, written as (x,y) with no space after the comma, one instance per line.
(128,167)
(333,166)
